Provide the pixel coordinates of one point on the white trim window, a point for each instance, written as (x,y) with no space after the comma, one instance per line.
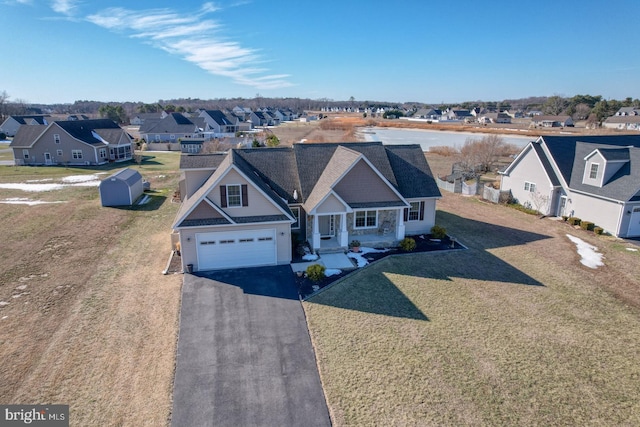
(76,154)
(25,154)
(295,210)
(59,153)
(365,219)
(56,138)
(530,186)
(102,153)
(593,171)
(234,196)
(414,211)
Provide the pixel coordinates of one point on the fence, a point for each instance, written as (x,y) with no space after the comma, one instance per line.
(469,190)
(447,186)
(495,196)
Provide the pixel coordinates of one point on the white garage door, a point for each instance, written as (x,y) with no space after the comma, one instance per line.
(231,249)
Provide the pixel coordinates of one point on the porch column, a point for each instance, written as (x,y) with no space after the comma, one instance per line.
(316,233)
(400,224)
(344,234)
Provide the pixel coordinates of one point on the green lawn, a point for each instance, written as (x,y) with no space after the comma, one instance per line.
(512,331)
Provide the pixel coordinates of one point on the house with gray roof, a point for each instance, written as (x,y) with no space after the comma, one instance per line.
(72,142)
(622,122)
(219,124)
(594,178)
(171,128)
(244,207)
(549,121)
(12,123)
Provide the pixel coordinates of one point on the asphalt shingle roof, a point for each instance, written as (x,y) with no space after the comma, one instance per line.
(83,130)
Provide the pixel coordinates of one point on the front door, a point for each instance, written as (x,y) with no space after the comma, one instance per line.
(562,206)
(47,158)
(326,224)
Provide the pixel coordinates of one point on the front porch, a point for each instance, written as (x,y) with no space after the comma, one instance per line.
(335,231)
(331,244)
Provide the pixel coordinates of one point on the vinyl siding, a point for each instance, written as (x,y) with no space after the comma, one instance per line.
(361,184)
(258,203)
(528,169)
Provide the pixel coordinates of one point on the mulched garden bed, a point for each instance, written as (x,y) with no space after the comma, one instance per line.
(424,243)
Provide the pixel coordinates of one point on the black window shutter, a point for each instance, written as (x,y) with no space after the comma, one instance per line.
(421,211)
(223,196)
(406,214)
(245,198)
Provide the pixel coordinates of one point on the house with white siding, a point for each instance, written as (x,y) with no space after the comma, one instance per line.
(594,178)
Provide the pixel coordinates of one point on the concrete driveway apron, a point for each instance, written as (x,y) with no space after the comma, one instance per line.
(244,353)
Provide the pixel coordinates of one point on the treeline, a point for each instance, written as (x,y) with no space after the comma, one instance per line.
(580,107)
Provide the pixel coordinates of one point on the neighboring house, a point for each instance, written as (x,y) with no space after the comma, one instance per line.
(243,208)
(140,118)
(122,188)
(458,114)
(494,118)
(171,128)
(219,124)
(74,142)
(78,117)
(243,113)
(594,178)
(552,121)
(191,145)
(622,122)
(428,114)
(11,125)
(628,111)
(258,118)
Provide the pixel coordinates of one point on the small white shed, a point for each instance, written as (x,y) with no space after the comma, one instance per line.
(122,188)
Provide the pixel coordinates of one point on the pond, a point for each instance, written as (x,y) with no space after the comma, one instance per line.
(428,138)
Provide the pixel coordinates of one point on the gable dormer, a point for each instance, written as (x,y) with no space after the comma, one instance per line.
(602,164)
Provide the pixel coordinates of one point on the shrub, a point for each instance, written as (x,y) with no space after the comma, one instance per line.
(354,243)
(565,218)
(438,232)
(574,220)
(598,230)
(315,272)
(3,136)
(586,225)
(408,244)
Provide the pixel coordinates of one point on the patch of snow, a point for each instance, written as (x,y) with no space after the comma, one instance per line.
(23,201)
(359,256)
(632,249)
(40,180)
(73,179)
(3,303)
(21,287)
(590,257)
(310,257)
(86,184)
(31,187)
(332,272)
(144,200)
(5,317)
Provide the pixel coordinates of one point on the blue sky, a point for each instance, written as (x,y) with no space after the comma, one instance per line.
(425,51)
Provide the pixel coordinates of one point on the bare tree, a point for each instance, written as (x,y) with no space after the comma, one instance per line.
(480,155)
(555,105)
(3,105)
(540,202)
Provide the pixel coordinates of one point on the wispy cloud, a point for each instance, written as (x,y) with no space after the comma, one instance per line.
(65,7)
(195,38)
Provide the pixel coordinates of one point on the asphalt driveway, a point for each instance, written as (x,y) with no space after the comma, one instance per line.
(244,353)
